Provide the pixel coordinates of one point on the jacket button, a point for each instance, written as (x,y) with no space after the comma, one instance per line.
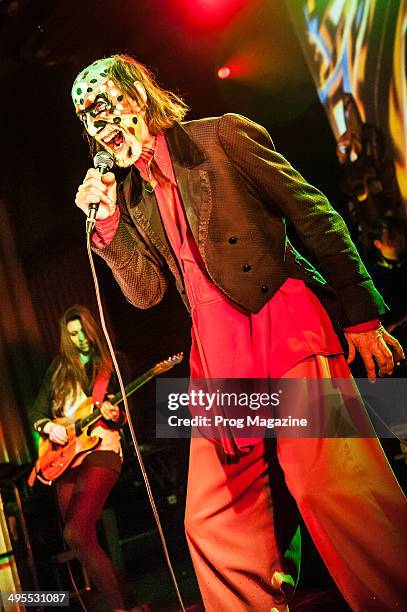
(232,240)
(265,289)
(246,268)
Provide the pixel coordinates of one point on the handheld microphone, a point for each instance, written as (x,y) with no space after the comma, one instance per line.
(103,161)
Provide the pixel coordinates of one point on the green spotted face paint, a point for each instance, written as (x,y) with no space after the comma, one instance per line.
(110,116)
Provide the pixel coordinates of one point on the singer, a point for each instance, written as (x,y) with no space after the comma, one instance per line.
(203,205)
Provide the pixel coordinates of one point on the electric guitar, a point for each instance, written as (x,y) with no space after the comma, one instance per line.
(54,459)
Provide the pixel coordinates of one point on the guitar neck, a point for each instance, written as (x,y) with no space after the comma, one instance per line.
(133,386)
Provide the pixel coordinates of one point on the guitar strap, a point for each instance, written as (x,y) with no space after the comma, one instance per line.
(100,387)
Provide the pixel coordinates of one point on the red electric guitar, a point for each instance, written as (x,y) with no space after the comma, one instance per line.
(54,459)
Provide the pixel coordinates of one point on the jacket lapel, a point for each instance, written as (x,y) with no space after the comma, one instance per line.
(144,211)
(192,180)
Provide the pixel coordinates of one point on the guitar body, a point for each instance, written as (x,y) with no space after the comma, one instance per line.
(54,459)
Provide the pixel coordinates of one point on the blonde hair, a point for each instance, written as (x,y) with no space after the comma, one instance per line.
(163,108)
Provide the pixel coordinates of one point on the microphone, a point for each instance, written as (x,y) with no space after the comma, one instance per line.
(103,161)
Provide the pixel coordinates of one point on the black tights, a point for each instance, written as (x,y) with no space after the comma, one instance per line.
(82,493)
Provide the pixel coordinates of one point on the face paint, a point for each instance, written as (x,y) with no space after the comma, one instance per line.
(109,116)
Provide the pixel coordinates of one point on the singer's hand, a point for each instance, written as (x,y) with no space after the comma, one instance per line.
(96,188)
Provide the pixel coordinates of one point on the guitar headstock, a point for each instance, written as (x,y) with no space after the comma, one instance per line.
(167,364)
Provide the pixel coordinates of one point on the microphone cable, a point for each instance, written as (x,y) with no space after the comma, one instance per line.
(129,420)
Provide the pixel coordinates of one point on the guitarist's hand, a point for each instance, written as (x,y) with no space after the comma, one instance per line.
(56,433)
(110,412)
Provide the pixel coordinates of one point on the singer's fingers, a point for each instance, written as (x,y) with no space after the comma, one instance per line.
(83,201)
(92,172)
(93,182)
(92,196)
(105,182)
(95,191)
(108,178)
(92,192)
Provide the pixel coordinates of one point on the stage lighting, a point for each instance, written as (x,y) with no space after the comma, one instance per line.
(209,14)
(224,72)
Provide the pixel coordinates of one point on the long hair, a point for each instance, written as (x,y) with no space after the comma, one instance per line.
(70,374)
(163,108)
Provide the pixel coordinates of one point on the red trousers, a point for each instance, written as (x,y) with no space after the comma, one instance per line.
(82,493)
(241,521)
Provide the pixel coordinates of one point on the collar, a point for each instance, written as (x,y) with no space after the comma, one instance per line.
(145,159)
(156,150)
(176,145)
(182,148)
(163,158)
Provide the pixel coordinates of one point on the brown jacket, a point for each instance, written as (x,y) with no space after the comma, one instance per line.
(237,191)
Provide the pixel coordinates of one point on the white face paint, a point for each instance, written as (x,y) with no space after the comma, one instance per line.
(111,117)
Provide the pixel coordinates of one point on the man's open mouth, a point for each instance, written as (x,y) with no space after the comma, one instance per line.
(114,140)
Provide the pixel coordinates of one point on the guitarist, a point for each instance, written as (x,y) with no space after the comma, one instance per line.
(82,368)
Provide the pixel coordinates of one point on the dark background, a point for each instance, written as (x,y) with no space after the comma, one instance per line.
(44,44)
